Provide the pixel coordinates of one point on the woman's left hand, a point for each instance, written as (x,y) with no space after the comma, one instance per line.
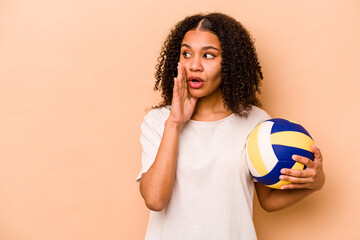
(312,177)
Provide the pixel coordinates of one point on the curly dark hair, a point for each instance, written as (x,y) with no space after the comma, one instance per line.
(241,73)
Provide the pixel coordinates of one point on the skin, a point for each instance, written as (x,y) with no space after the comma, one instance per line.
(303,183)
(200,56)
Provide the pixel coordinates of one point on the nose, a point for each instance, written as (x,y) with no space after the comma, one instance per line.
(196,64)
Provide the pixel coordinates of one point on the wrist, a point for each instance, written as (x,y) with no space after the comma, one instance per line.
(173,124)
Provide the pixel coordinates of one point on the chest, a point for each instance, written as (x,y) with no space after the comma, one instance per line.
(218,150)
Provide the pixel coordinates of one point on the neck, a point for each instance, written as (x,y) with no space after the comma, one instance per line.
(210,108)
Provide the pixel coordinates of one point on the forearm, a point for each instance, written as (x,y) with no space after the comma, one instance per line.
(157,183)
(274,199)
(280,199)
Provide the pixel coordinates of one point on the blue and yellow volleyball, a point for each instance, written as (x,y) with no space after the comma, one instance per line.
(270,147)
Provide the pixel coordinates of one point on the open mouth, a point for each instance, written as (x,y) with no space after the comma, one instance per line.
(195,79)
(195,82)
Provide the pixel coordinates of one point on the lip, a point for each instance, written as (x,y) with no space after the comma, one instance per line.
(195,82)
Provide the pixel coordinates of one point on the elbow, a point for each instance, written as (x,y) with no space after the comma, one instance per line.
(155,204)
(269,207)
(155,199)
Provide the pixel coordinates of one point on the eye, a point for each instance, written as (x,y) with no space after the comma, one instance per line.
(186,54)
(209,55)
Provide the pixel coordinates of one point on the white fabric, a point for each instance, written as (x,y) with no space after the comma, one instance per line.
(212,198)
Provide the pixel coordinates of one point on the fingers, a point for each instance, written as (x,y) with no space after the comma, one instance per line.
(317,154)
(312,177)
(309,172)
(294,173)
(176,88)
(182,78)
(295,186)
(181,71)
(306,161)
(298,179)
(295,179)
(179,78)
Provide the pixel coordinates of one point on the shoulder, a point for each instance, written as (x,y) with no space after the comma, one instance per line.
(258,114)
(156,118)
(158,114)
(254,116)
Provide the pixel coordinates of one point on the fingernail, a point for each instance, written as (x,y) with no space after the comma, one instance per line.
(283,171)
(282,177)
(294,157)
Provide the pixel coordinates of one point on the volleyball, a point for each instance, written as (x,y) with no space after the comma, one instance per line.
(270,147)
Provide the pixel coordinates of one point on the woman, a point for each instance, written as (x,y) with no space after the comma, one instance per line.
(194,176)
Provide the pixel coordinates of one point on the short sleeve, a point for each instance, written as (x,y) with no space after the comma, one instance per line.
(152,130)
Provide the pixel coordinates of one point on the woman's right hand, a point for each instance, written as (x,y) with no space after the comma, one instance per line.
(183,104)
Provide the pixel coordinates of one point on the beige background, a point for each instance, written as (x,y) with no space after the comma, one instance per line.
(76,76)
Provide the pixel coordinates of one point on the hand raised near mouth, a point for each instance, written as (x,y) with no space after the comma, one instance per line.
(183,104)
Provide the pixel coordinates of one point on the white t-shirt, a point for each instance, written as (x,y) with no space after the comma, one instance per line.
(212,198)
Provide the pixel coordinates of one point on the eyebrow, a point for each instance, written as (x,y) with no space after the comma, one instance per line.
(204,48)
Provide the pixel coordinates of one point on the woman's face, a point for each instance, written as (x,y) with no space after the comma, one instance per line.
(201,57)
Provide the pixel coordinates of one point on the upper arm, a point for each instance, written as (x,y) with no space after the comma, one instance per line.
(150,138)
(263,193)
